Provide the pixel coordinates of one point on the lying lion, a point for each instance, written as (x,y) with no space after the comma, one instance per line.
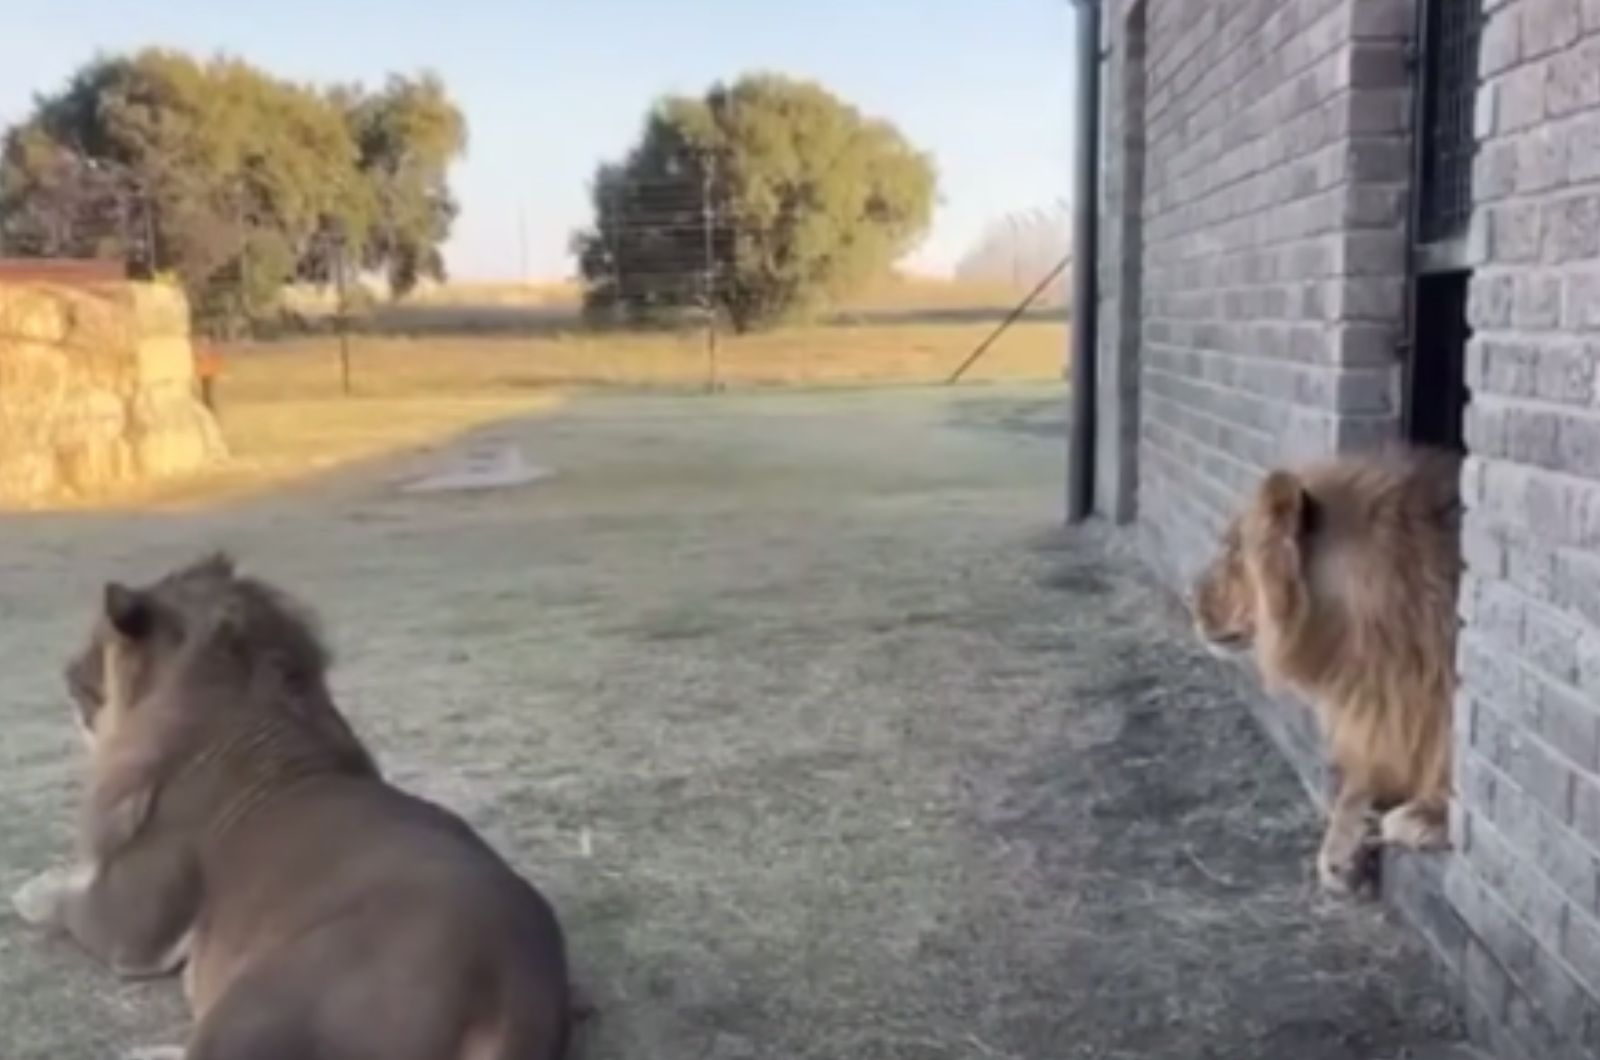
(1342,577)
(235,824)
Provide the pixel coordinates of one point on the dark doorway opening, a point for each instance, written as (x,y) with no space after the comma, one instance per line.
(1437,395)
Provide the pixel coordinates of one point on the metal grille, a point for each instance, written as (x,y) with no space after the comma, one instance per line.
(1449,83)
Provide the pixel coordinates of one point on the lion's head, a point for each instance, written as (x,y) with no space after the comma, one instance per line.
(1259,561)
(1223,599)
(137,637)
(181,664)
(1340,578)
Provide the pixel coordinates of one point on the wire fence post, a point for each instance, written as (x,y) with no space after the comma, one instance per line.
(709,278)
(342,321)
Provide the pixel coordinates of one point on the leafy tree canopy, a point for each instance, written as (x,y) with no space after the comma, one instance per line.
(233,179)
(765,199)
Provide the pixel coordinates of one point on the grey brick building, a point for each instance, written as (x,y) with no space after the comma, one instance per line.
(1286,186)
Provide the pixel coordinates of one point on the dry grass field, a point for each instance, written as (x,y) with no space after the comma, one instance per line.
(900,353)
(292,436)
(451,358)
(454,357)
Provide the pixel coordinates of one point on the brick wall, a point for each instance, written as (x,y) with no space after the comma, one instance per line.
(1271,261)
(1527,879)
(1252,288)
(1252,261)
(1257,174)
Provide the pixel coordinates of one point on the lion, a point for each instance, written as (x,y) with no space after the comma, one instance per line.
(236,827)
(1341,578)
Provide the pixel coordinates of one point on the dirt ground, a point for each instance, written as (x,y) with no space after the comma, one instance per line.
(825,742)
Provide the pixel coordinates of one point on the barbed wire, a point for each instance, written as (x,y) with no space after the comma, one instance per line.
(1018,246)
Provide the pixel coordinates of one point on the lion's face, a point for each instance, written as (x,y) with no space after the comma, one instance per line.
(135,638)
(1223,601)
(126,651)
(1259,552)
(85,679)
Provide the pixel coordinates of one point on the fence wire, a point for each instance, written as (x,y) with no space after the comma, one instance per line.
(660,255)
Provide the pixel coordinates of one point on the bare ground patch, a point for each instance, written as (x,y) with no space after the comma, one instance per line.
(824,741)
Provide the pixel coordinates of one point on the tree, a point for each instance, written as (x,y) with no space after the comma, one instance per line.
(227,176)
(407,136)
(791,196)
(62,204)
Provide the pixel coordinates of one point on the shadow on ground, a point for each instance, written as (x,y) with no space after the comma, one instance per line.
(825,741)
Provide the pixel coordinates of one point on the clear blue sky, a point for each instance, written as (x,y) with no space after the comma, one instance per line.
(552,87)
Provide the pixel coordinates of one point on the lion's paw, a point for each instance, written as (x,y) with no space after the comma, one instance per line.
(1413,826)
(1347,864)
(1343,878)
(38,902)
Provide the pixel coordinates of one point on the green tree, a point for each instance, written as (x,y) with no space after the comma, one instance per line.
(407,136)
(235,180)
(794,196)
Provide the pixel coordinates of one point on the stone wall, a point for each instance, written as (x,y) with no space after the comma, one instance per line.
(96,391)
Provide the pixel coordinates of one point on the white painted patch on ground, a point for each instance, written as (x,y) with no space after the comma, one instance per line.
(492,465)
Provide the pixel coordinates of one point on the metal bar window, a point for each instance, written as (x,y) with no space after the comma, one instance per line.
(1449,63)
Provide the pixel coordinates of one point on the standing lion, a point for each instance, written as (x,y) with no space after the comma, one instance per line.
(1341,576)
(236,827)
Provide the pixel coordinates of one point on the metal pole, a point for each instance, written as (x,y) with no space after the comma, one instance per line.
(1015,224)
(522,245)
(148,199)
(344,324)
(1011,318)
(707,224)
(1086,259)
(244,277)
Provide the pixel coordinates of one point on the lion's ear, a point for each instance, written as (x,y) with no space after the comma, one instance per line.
(128,611)
(1290,510)
(217,564)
